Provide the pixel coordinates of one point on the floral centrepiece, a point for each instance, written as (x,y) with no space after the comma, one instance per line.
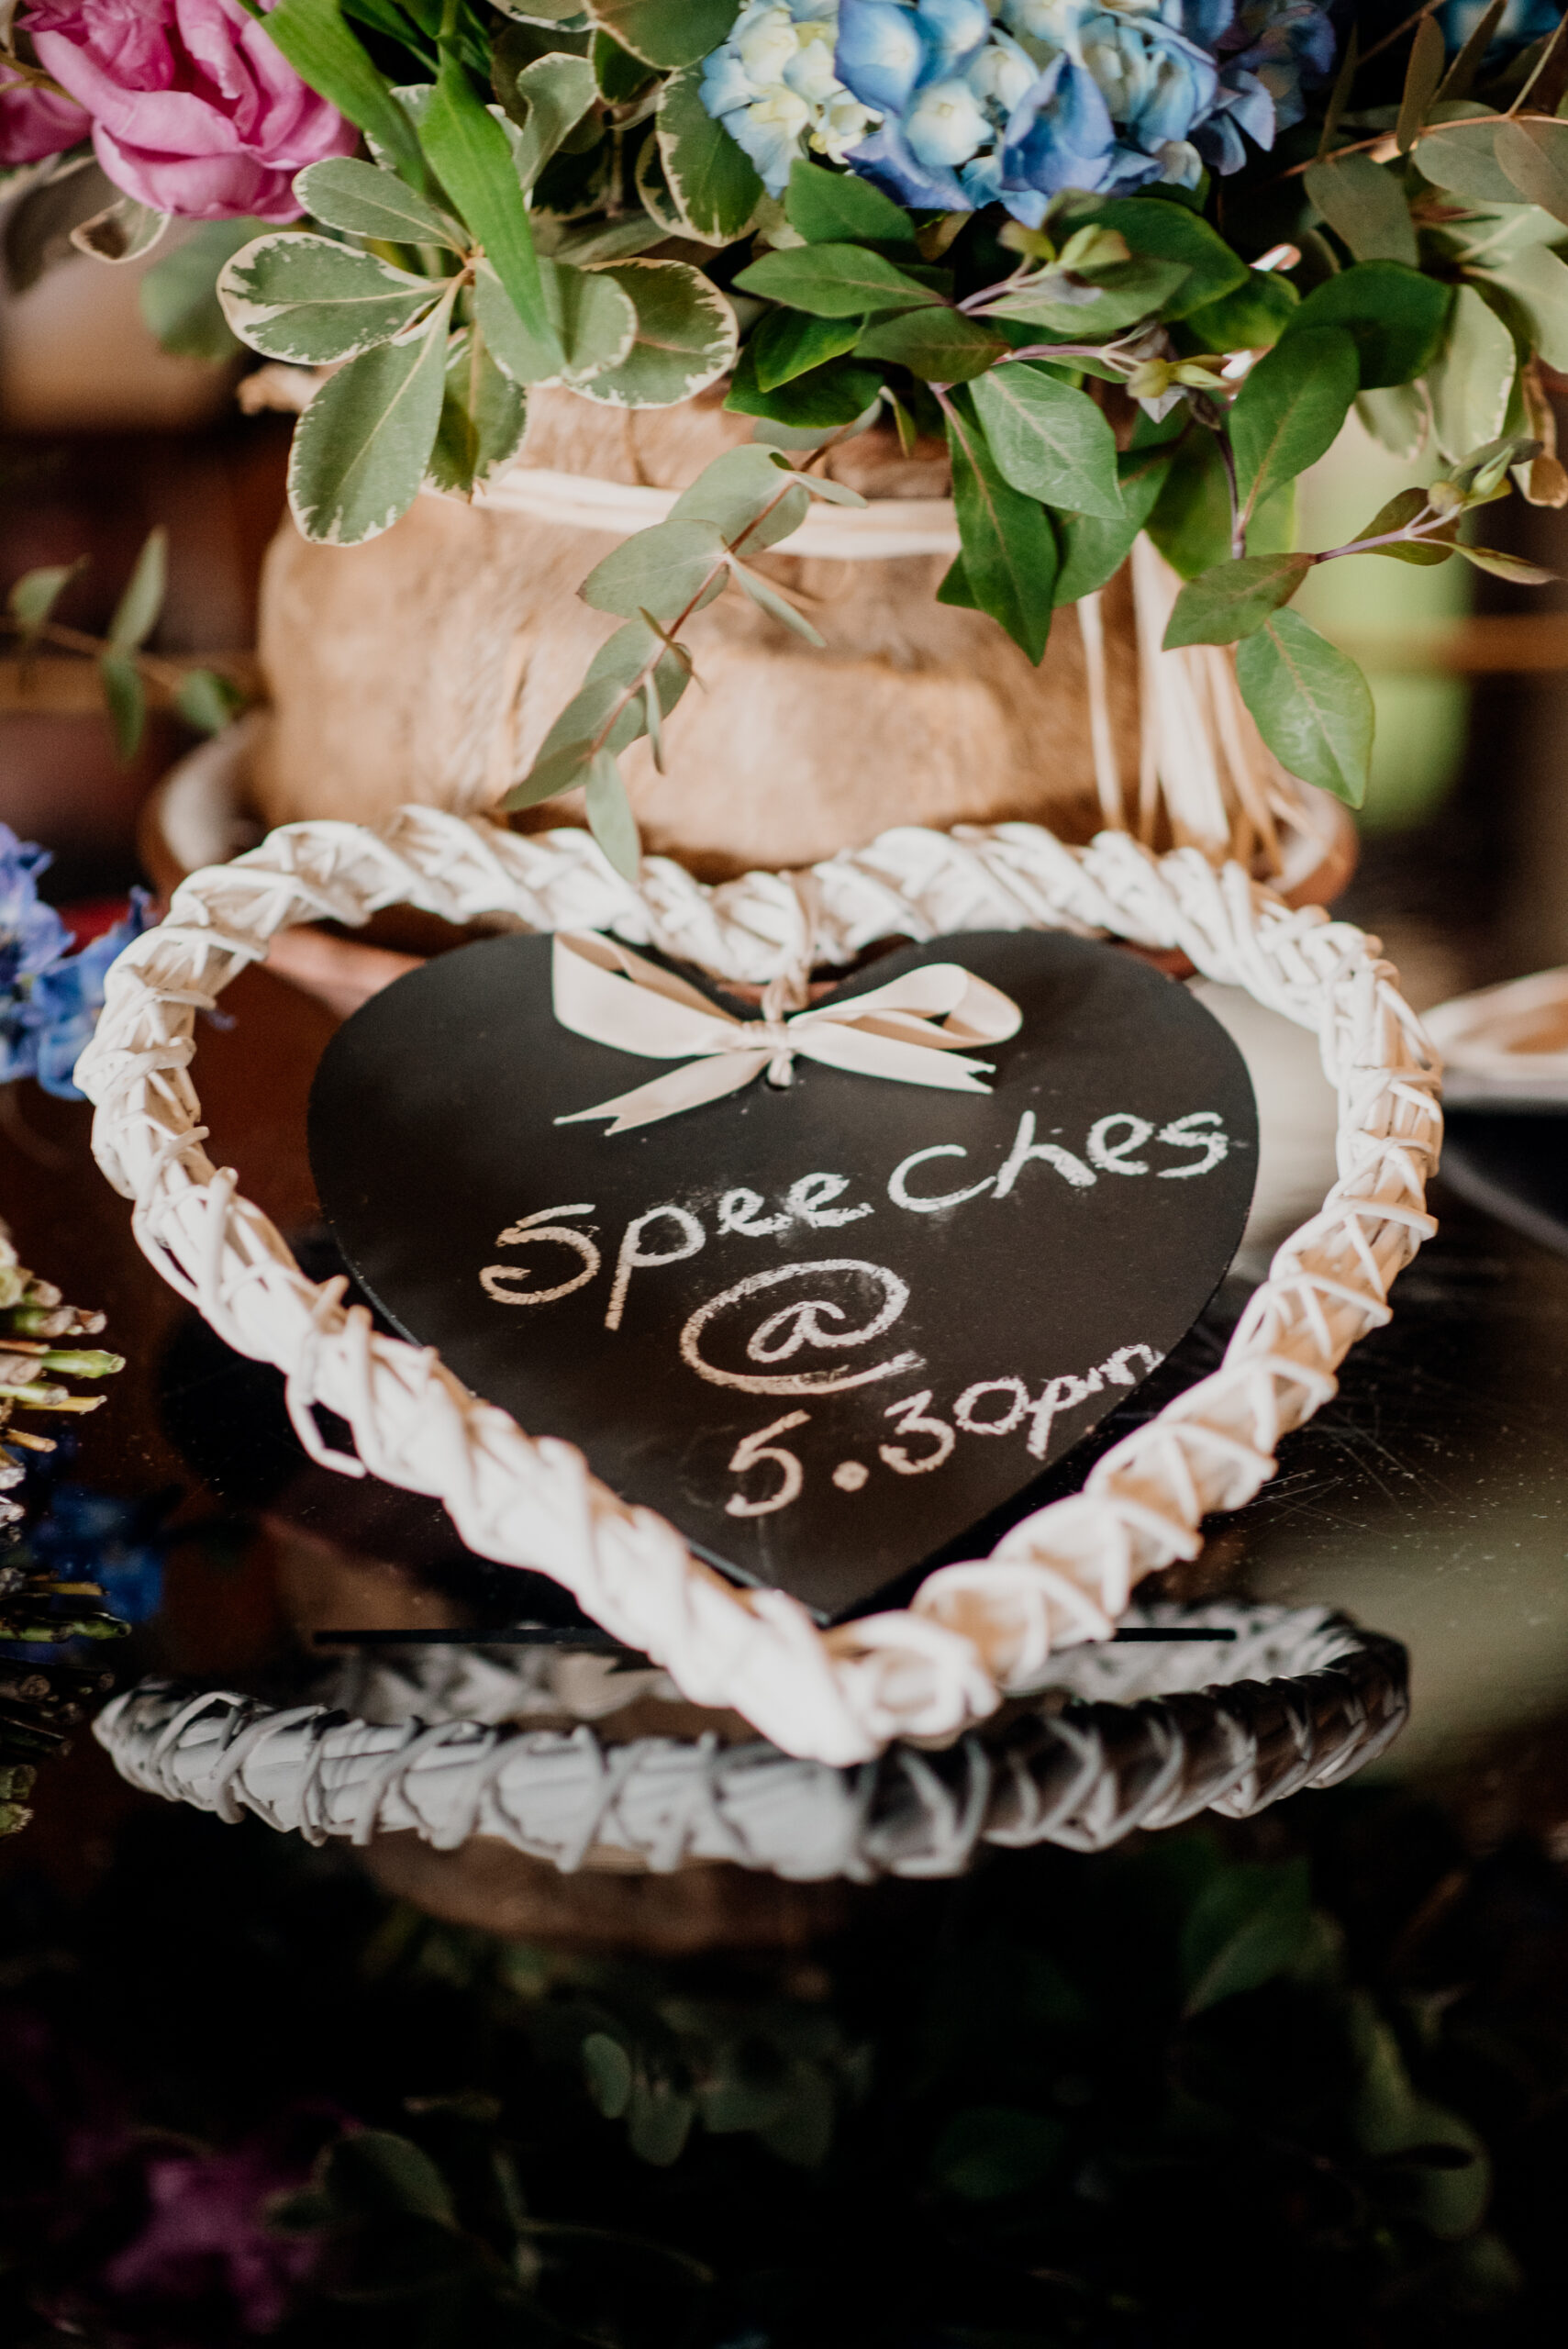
(193,109)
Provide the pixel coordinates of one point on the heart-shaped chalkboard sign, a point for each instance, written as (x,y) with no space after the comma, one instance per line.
(824,1329)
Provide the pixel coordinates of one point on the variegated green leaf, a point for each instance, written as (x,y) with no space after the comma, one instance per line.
(306,299)
(592,321)
(361,446)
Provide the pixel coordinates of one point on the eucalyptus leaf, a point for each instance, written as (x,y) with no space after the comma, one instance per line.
(207,701)
(306,299)
(1537,280)
(1459,155)
(1506,566)
(122,231)
(372,2173)
(1364,203)
(1310,703)
(607,2067)
(1535,156)
(1423,75)
(788,343)
(614,827)
(1396,417)
(658,571)
(686,336)
(713,181)
(1458,81)
(136,614)
(832,207)
(659,2119)
(768,599)
(125,698)
(32,598)
(592,325)
(483,416)
(360,448)
(1395,316)
(1009,548)
(365,201)
(834,281)
(940,346)
(1234,599)
(1290,410)
(1049,440)
(736,489)
(1471,382)
(667,32)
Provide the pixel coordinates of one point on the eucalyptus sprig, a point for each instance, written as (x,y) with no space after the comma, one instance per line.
(738,505)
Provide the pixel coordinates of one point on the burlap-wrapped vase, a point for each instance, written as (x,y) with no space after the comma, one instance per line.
(429,664)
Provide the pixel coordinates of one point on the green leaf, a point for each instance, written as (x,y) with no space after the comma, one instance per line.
(822,400)
(685,337)
(1397,515)
(787,343)
(123,231)
(736,488)
(1168,233)
(1397,418)
(993,2150)
(834,207)
(548,100)
(371,2174)
(484,414)
(473,156)
(607,2067)
(34,596)
(614,827)
(1537,280)
(178,296)
(319,46)
(1009,547)
(306,299)
(207,701)
(1456,84)
(713,181)
(1535,156)
(1471,382)
(1124,293)
(136,614)
(1252,318)
(1290,410)
(1364,204)
(659,2119)
(1311,705)
(940,346)
(620,77)
(605,705)
(1049,440)
(593,325)
(834,282)
(1462,159)
(1506,566)
(667,32)
(1093,549)
(1395,316)
(955,589)
(360,449)
(1233,599)
(658,571)
(1428,54)
(343,193)
(125,700)
(768,599)
(1249,1924)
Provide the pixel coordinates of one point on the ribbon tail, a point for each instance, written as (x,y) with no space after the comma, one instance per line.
(867,1054)
(682,1088)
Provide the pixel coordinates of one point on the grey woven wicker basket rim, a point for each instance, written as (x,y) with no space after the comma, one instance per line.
(1066,1768)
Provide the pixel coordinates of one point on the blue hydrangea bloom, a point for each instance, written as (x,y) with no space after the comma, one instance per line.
(970,102)
(49,998)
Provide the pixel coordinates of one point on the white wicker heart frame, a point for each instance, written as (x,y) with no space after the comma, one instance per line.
(975,1632)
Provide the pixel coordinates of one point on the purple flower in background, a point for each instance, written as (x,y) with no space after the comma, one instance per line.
(49,998)
(193,110)
(34,123)
(206,2236)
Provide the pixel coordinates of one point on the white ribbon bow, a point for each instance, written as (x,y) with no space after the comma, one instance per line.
(604,992)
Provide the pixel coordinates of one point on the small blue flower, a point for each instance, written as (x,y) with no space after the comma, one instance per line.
(49,998)
(67,998)
(880,53)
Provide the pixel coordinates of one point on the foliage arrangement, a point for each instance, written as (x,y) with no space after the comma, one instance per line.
(1071,2100)
(45,1602)
(1131,267)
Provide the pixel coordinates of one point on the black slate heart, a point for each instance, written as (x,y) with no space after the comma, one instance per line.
(758,1316)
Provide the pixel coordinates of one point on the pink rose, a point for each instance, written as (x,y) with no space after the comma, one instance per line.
(34,123)
(193,110)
